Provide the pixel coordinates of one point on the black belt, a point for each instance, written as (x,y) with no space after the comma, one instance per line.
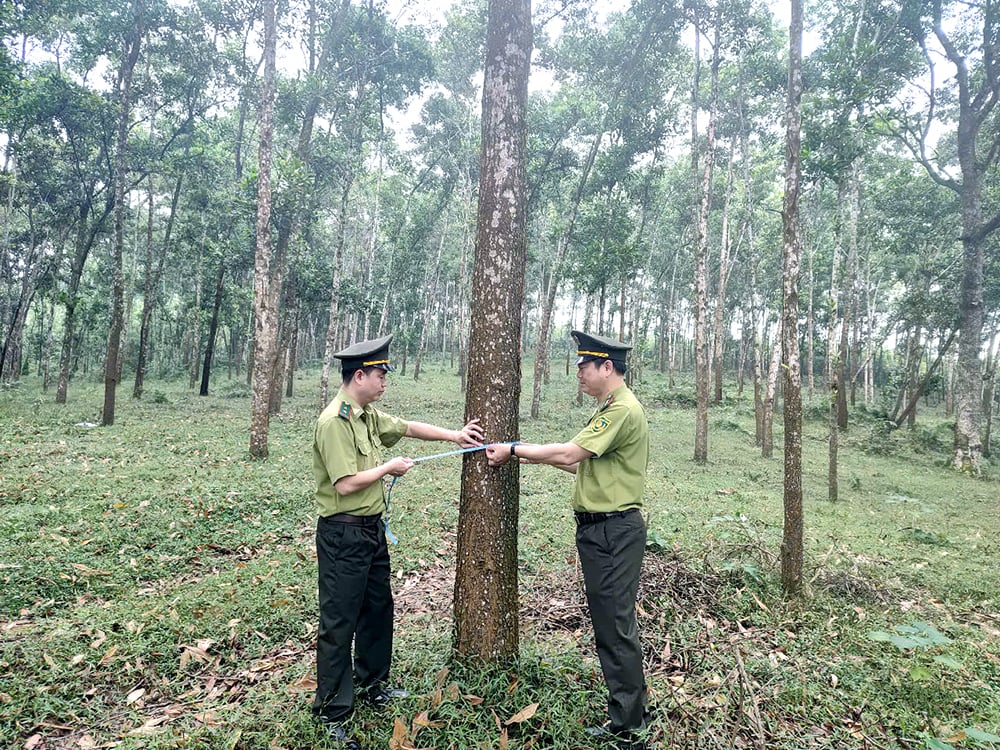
(348,518)
(585,519)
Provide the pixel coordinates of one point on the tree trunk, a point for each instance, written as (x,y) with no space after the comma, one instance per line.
(702,365)
(213,329)
(770,392)
(333,321)
(265,297)
(791,542)
(129,59)
(486,600)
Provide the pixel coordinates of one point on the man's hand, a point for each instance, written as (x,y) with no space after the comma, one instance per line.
(399,466)
(497,454)
(470,436)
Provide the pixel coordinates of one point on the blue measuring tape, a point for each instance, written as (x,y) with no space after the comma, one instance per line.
(388,495)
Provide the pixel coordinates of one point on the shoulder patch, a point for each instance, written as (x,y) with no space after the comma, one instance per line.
(345,410)
(601,424)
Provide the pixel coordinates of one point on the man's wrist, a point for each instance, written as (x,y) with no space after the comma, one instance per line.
(513,445)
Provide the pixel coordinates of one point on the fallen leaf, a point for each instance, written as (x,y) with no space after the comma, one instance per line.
(150,725)
(503,739)
(305,685)
(208,718)
(33,741)
(523,715)
(135,695)
(475,700)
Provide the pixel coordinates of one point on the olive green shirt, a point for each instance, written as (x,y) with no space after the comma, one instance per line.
(347,440)
(618,436)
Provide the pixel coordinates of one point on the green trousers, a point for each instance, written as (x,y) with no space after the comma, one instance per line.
(611,553)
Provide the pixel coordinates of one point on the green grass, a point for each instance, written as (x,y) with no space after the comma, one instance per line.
(157,588)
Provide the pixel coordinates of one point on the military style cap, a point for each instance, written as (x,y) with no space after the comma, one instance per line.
(371,353)
(590,347)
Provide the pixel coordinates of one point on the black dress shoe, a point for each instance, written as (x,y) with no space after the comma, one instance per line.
(382,696)
(337,733)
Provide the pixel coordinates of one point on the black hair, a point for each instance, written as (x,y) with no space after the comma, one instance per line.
(348,375)
(620,366)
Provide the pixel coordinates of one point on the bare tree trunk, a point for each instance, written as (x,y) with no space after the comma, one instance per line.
(265,296)
(702,374)
(989,386)
(718,322)
(810,328)
(486,600)
(129,59)
(431,281)
(770,392)
(333,321)
(791,541)
(213,328)
(919,389)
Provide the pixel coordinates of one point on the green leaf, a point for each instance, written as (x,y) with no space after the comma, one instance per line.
(899,641)
(980,736)
(949,662)
(934,744)
(921,674)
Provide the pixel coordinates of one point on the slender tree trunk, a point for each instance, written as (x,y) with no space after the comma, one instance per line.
(989,387)
(333,321)
(702,374)
(213,329)
(486,600)
(265,297)
(810,328)
(770,394)
(791,542)
(130,57)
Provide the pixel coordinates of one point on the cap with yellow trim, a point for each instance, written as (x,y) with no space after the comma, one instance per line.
(371,353)
(590,347)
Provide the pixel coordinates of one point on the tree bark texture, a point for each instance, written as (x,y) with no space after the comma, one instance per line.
(129,58)
(702,360)
(791,542)
(486,599)
(265,298)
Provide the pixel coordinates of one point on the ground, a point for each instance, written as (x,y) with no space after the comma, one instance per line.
(157,588)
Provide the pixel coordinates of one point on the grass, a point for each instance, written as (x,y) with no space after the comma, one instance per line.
(157,589)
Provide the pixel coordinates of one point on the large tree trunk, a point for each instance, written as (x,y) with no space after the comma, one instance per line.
(265,297)
(111,371)
(791,542)
(486,600)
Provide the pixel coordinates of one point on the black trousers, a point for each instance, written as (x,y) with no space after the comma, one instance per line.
(355,603)
(611,553)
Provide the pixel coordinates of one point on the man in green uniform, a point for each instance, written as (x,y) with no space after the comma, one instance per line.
(355,599)
(609,458)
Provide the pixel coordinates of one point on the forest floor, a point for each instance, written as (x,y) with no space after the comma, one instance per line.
(157,589)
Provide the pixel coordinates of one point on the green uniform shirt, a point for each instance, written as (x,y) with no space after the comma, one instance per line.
(618,436)
(348,440)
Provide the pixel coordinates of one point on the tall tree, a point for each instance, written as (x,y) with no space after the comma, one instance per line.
(953,28)
(486,601)
(791,542)
(265,297)
(130,56)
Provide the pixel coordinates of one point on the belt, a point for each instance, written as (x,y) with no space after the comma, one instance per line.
(585,519)
(350,519)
